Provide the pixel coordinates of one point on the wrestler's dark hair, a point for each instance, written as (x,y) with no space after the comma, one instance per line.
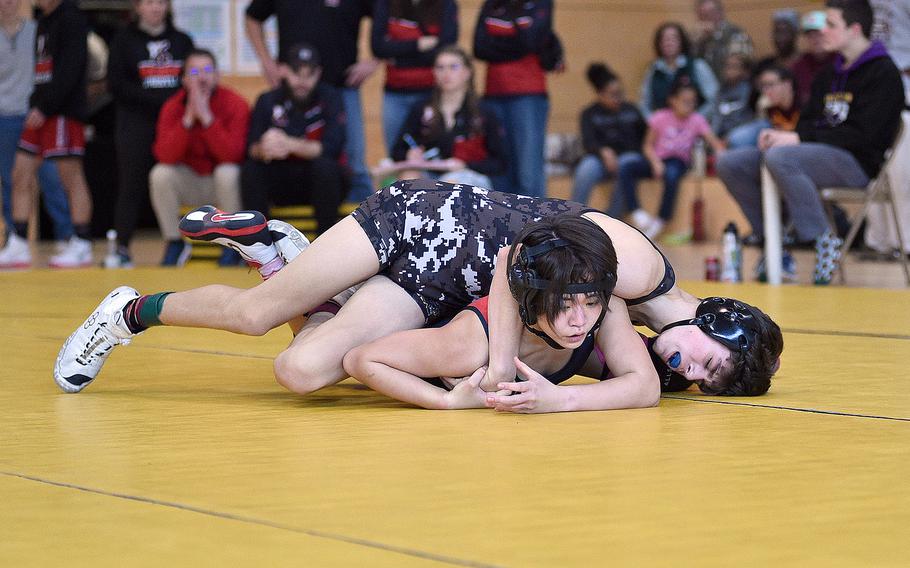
(599,75)
(589,257)
(854,12)
(753,367)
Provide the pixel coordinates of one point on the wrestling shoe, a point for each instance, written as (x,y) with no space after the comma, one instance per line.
(16,253)
(244,231)
(84,352)
(289,242)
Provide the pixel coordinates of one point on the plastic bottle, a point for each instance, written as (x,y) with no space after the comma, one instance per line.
(110,259)
(731,255)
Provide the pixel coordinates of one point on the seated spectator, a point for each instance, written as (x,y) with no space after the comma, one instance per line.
(784,36)
(814,57)
(612,131)
(672,133)
(716,37)
(408,34)
(673,65)
(777,108)
(731,108)
(199,143)
(840,139)
(296,142)
(454,136)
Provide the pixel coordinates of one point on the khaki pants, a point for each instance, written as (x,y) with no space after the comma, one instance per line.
(175,185)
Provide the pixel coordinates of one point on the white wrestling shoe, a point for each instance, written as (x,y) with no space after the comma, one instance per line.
(288,241)
(84,352)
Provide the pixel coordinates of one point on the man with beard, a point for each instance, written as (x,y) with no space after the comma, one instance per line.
(199,144)
(295,143)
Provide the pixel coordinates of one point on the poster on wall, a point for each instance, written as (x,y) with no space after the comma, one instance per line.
(209,24)
(247,62)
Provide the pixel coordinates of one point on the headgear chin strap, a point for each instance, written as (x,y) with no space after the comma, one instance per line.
(524,280)
(728,321)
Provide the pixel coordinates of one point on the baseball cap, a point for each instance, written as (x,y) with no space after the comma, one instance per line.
(814,21)
(301,54)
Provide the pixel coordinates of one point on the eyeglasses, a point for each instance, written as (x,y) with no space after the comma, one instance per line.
(450,67)
(206,70)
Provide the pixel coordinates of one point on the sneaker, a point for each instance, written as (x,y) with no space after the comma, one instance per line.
(288,240)
(84,352)
(827,257)
(176,253)
(642,220)
(244,231)
(788,268)
(654,229)
(77,254)
(15,254)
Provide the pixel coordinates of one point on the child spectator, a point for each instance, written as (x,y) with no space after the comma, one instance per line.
(612,131)
(672,133)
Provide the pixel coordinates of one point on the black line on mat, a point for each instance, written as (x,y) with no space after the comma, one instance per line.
(791,408)
(262,522)
(848,333)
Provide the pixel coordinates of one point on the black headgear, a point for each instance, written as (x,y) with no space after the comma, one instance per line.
(524,280)
(730,322)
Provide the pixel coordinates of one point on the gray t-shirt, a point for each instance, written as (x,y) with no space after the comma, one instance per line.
(17,69)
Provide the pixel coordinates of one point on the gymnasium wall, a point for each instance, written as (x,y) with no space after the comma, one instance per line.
(619,32)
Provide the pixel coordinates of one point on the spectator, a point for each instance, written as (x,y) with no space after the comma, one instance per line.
(143,72)
(840,139)
(777,107)
(673,65)
(510,36)
(814,58)
(460,132)
(332,27)
(17,78)
(892,28)
(612,131)
(54,129)
(408,34)
(199,142)
(671,136)
(716,38)
(784,36)
(296,141)
(731,108)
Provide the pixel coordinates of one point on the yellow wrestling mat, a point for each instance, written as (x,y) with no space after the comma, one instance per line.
(185,452)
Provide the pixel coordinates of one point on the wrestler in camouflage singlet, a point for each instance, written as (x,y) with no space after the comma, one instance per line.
(439,240)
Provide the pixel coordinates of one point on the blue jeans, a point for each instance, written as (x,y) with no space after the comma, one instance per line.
(591,170)
(355,147)
(625,197)
(396,106)
(524,119)
(52,191)
(746,135)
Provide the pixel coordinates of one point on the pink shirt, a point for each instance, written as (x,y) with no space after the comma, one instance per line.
(675,137)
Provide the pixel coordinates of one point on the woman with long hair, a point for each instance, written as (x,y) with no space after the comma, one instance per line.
(675,64)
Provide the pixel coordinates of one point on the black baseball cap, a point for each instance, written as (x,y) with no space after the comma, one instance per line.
(301,54)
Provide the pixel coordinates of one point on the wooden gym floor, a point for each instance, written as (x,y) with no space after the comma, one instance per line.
(185,452)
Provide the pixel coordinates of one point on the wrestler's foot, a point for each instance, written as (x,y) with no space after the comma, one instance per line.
(288,240)
(244,231)
(84,352)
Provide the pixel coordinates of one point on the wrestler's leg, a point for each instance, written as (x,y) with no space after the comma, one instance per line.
(314,358)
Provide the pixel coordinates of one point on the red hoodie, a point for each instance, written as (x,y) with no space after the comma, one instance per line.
(224,141)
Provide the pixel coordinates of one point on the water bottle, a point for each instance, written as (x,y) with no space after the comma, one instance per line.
(731,255)
(110,259)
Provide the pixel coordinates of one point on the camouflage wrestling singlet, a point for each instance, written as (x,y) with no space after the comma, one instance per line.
(439,240)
